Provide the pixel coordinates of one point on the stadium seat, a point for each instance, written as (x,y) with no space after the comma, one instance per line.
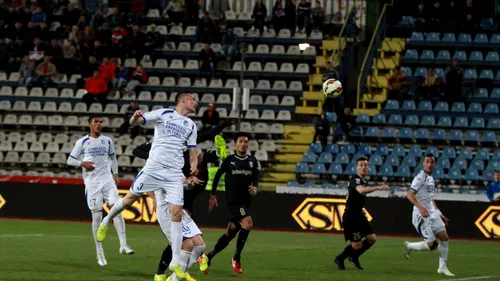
(443,162)
(428,121)
(495,93)
(398,151)
(395,119)
(489,138)
(493,165)
(438,135)
(379,119)
(318,169)
(481,38)
(491,108)
(455,136)
(471,174)
(342,158)
(427,55)
(464,38)
(332,148)
(476,56)
(365,149)
(411,55)
(422,134)
(420,72)
(477,164)
(461,122)
(477,123)
(460,164)
(411,120)
(376,160)
(407,71)
(403,172)
(438,173)
(363,119)
(349,149)
(444,121)
(443,55)
(351,170)
(496,155)
(417,37)
(382,150)
(386,171)
(439,72)
(335,169)
(405,134)
(393,105)
(481,93)
(460,55)
(409,161)
(492,57)
(425,106)
(325,158)
(432,150)
(472,137)
(471,74)
(408,105)
(454,174)
(315,148)
(389,133)
(448,38)
(485,74)
(415,151)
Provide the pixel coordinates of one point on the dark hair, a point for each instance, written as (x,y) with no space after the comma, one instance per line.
(240,134)
(429,155)
(180,96)
(361,159)
(92,117)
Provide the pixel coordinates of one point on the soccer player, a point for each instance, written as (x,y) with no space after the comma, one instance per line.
(355,223)
(163,169)
(242,175)
(429,222)
(95,153)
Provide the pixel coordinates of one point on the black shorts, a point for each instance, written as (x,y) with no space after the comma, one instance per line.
(189,197)
(238,211)
(356,227)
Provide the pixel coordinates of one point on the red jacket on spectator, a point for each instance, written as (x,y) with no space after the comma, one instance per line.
(118,35)
(107,71)
(140,76)
(96,86)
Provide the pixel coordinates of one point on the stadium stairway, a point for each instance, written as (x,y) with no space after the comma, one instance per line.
(290,150)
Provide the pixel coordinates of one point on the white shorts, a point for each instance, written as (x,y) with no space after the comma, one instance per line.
(98,193)
(171,182)
(189,227)
(428,227)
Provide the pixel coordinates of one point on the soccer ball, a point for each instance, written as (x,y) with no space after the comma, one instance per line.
(332,88)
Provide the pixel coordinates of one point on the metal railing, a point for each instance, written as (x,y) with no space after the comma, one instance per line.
(347,26)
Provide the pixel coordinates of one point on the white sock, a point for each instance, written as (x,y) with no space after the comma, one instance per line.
(443,253)
(419,246)
(119,223)
(184,260)
(96,222)
(176,233)
(195,254)
(115,211)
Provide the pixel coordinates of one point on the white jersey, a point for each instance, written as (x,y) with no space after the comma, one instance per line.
(99,151)
(172,132)
(424,186)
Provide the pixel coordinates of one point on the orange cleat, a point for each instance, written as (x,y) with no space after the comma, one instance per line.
(236,266)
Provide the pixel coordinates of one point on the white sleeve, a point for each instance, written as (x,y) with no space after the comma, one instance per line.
(191,141)
(74,156)
(152,116)
(418,182)
(112,157)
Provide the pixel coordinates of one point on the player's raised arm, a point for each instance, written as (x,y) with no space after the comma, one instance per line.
(137,119)
(370,189)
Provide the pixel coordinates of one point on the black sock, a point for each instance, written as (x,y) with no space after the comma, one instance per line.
(221,245)
(364,248)
(166,258)
(240,244)
(346,253)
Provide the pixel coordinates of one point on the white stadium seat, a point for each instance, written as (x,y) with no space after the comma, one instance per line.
(19,106)
(268,114)
(35,106)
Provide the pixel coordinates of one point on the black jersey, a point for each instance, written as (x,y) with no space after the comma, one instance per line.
(241,172)
(355,200)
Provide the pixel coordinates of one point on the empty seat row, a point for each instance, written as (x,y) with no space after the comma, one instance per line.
(430,121)
(409,105)
(444,55)
(464,38)
(230,83)
(258,49)
(272,67)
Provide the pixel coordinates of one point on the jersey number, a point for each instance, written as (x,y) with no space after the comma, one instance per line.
(356,236)
(140,186)
(242,211)
(186,229)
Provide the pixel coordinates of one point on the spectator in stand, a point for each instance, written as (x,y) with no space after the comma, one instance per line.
(278,16)
(205,29)
(303,15)
(436,15)
(27,72)
(98,50)
(330,72)
(222,27)
(4,54)
(318,16)
(119,41)
(97,19)
(7,18)
(210,118)
(31,31)
(38,16)
(152,40)
(290,16)
(54,51)
(87,71)
(494,188)
(121,78)
(453,79)
(107,70)
(322,130)
(86,37)
(136,43)
(207,57)
(25,15)
(69,57)
(96,88)
(46,73)
(70,17)
(471,11)
(175,11)
(346,122)
(453,16)
(420,16)
(38,51)
(430,86)
(114,18)
(228,45)
(259,15)
(16,31)
(397,85)
(82,22)
(92,5)
(73,36)
(138,77)
(470,24)
(43,31)
(136,130)
(192,10)
(104,35)
(17,52)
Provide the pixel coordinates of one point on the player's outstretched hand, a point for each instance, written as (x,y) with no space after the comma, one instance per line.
(196,181)
(424,212)
(212,203)
(384,187)
(89,166)
(253,190)
(117,179)
(138,113)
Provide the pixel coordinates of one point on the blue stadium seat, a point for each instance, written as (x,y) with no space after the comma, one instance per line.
(376,160)
(477,123)
(481,93)
(455,136)
(386,171)
(443,55)
(465,153)
(494,123)
(293,184)
(454,174)
(449,38)
(422,134)
(488,175)
(425,106)
(301,168)
(438,135)
(403,172)
(351,170)
(464,38)
(309,184)
(496,155)
(439,72)
(449,152)
(409,105)
(365,149)
(487,23)
(348,149)
(405,133)
(331,117)
(407,71)
(372,170)
(417,169)
(459,163)
(443,162)
(382,150)
(417,37)
(441,106)
(392,105)
(471,175)
(485,74)
(493,165)
(409,161)
(363,119)
(411,54)
(495,39)
(461,122)
(470,74)
(428,121)
(471,136)
(342,158)
(427,55)
(481,38)
(420,72)
(460,55)
(398,151)
(477,164)
(392,160)
(327,186)
(489,138)
(476,56)
(415,151)
(482,154)
(355,158)
(318,169)
(411,120)
(438,173)
(444,121)
(406,21)
(491,108)
(315,148)
(495,94)
(395,119)
(309,157)
(372,132)
(379,119)
(332,148)
(335,169)
(389,133)
(492,57)
(432,37)
(325,158)
(458,107)
(432,150)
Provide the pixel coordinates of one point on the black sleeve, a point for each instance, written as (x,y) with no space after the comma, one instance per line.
(220,172)
(142,151)
(255,173)
(210,135)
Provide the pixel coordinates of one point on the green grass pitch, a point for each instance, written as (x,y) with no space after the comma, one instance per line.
(48,250)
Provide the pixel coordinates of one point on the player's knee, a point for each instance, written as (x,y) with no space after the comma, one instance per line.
(357,245)
(176,213)
(187,245)
(432,245)
(371,240)
(248,225)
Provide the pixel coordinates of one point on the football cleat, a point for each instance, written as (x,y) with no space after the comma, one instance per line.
(160,277)
(236,266)
(445,271)
(356,263)
(340,263)
(203,261)
(176,268)
(189,277)
(407,251)
(101,232)
(220,147)
(101,260)
(126,250)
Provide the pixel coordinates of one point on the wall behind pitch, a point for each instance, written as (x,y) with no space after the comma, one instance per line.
(269,211)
